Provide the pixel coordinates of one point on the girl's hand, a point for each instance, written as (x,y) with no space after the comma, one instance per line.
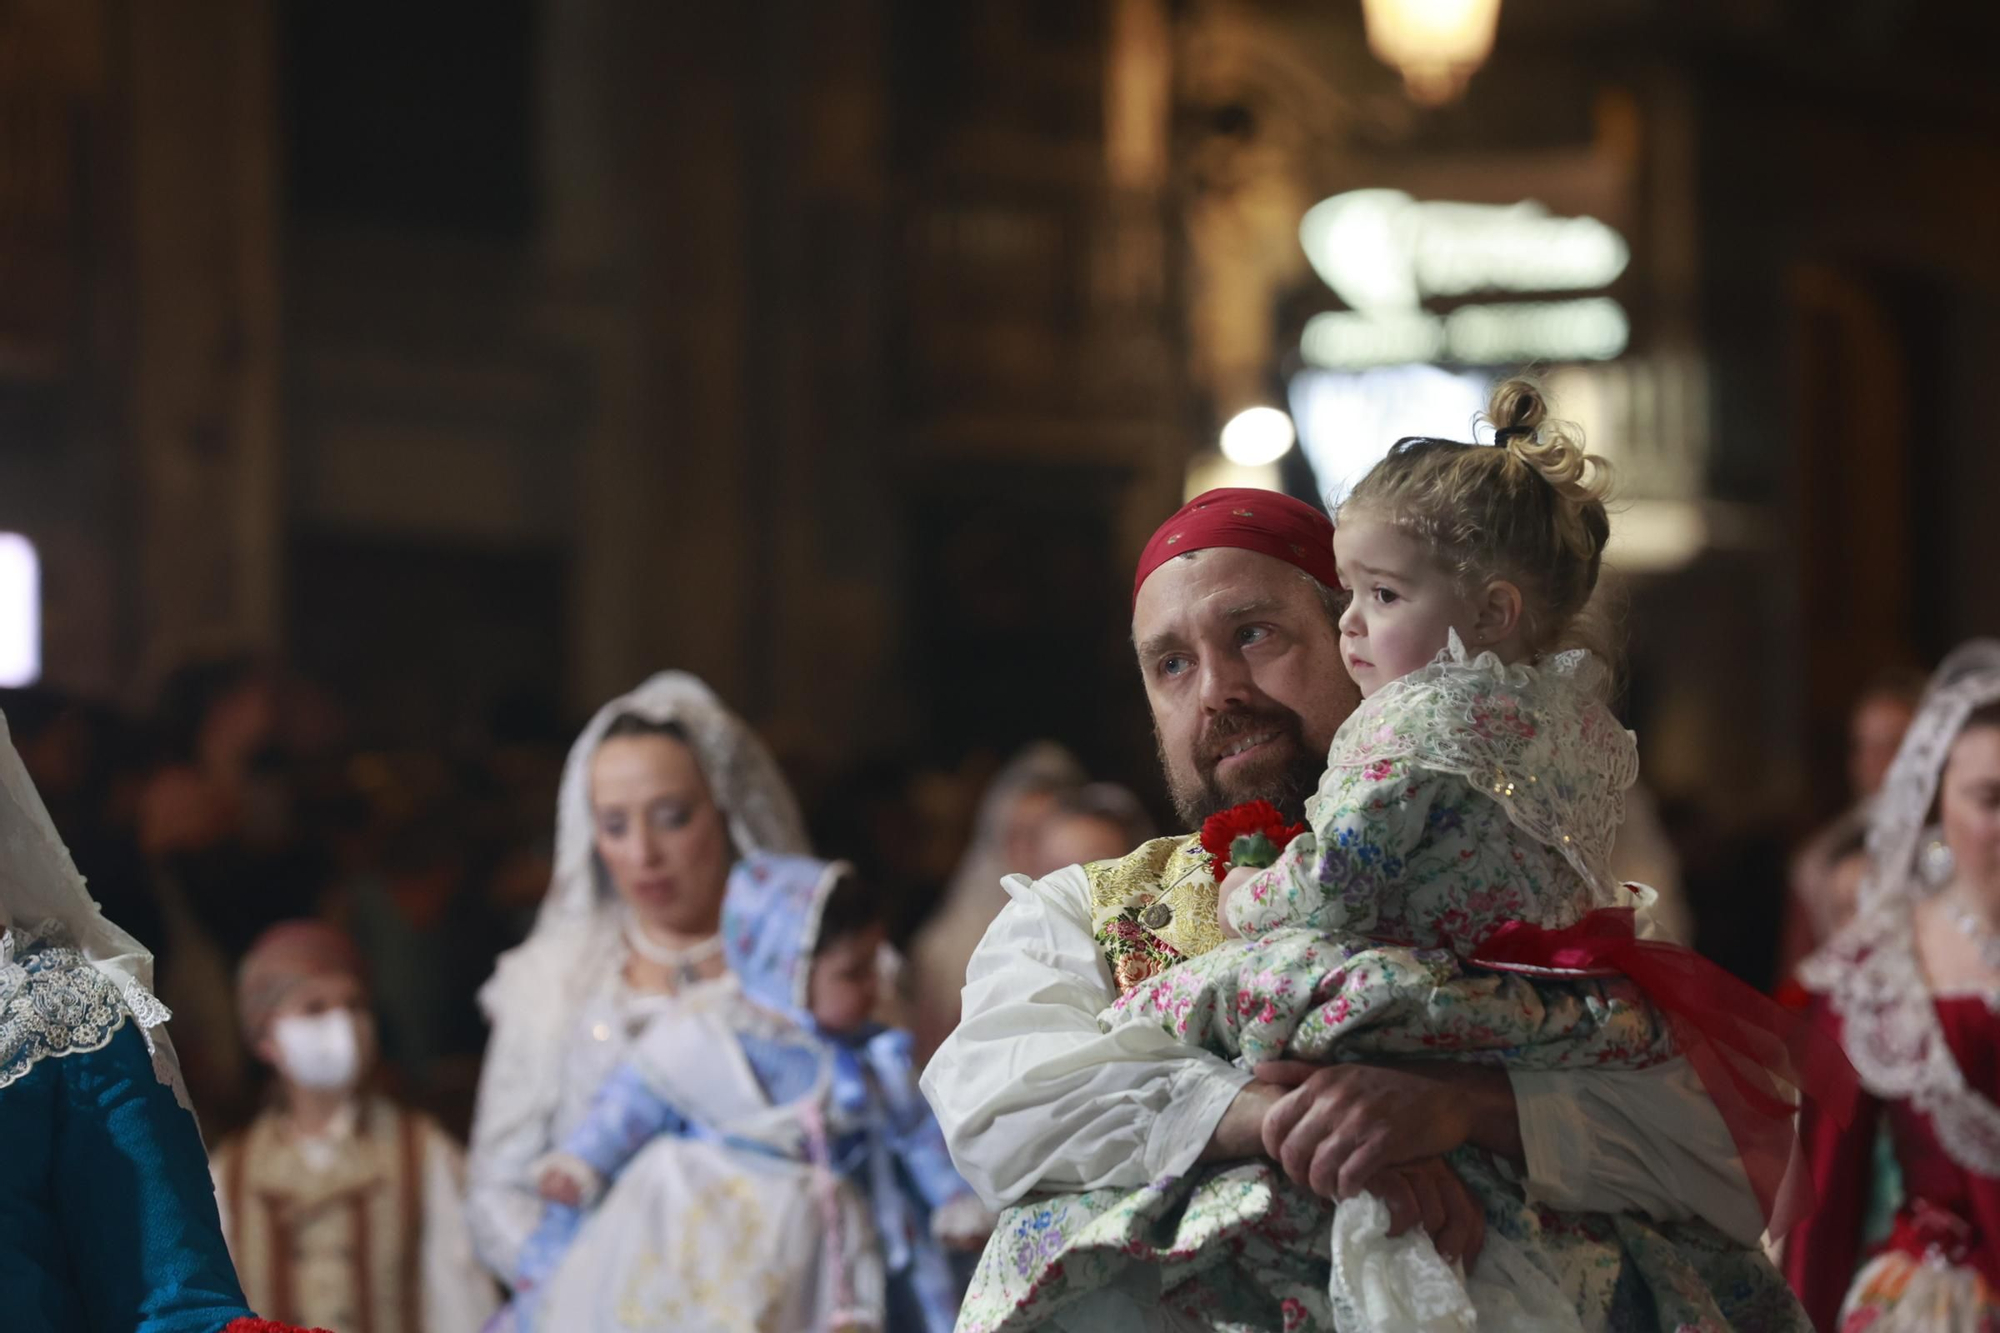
(1231,884)
(559,1186)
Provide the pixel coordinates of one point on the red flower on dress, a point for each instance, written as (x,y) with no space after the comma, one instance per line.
(266,1326)
(1251,834)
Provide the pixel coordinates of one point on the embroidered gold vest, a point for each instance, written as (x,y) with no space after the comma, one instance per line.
(1153,907)
(336,1248)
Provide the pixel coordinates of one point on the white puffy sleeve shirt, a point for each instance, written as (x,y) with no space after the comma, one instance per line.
(1034,1096)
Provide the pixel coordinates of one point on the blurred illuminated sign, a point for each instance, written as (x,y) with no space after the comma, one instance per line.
(20,611)
(1385,254)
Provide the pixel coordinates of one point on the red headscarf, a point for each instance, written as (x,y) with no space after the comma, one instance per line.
(1267,522)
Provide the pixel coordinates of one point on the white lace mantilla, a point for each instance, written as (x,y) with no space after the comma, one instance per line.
(39,884)
(1536,738)
(1890,1030)
(543,1052)
(1870,972)
(52,1001)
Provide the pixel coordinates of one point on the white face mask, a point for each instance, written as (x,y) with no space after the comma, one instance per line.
(320,1050)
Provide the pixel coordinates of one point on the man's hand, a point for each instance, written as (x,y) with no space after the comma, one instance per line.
(1239,1135)
(1430,1194)
(1340,1126)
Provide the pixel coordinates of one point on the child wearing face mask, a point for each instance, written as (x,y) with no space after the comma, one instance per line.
(819,1168)
(342,1209)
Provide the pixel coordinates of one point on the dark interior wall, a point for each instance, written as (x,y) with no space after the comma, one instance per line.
(1955,468)
(412,115)
(1848,300)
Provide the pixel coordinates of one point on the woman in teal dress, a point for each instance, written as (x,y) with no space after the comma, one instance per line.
(107,1212)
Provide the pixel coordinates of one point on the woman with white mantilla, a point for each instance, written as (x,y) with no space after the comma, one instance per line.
(1912,989)
(107,1217)
(662,792)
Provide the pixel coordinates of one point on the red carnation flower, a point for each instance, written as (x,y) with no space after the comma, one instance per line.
(1251,834)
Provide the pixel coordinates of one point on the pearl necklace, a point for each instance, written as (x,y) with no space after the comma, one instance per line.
(683,963)
(1968,923)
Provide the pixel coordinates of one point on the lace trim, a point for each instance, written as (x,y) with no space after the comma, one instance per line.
(1891,1033)
(1869,972)
(1535,738)
(1969,679)
(52,1001)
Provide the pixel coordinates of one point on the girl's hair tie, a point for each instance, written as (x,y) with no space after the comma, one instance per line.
(1506,435)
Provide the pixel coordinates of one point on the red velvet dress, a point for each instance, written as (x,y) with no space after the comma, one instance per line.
(1949,1222)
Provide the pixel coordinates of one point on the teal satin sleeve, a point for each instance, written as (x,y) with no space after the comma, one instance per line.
(134,1200)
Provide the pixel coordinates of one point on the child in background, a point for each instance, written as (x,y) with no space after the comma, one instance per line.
(341,1208)
(824,1167)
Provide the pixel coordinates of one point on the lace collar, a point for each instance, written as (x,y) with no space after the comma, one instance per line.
(52,1001)
(1535,737)
(1574,669)
(1871,977)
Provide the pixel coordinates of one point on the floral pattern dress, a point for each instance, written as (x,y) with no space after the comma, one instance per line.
(1465,796)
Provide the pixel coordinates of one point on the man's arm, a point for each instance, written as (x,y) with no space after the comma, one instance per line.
(1032,1094)
(1645,1140)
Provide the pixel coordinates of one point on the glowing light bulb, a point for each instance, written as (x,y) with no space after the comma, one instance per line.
(1437,44)
(1257,436)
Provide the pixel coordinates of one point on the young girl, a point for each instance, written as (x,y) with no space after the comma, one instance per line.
(838,1190)
(1462,830)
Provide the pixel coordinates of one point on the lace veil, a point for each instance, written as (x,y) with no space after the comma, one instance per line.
(1869,971)
(40,886)
(580,909)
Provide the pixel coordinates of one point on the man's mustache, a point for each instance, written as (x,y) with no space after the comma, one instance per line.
(1225,729)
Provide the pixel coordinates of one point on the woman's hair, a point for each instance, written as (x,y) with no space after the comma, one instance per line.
(1987,715)
(1528,509)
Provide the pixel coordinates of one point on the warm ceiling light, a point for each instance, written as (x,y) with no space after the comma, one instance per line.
(1257,436)
(1437,44)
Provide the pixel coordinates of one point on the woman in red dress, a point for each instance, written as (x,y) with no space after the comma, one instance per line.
(1912,990)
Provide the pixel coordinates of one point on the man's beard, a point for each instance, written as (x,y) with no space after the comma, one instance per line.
(1285,778)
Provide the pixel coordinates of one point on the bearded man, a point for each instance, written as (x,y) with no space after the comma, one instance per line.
(1234,621)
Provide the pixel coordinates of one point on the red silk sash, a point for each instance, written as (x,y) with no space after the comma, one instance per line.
(1756,1059)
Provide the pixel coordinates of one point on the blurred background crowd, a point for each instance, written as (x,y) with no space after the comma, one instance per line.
(383,386)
